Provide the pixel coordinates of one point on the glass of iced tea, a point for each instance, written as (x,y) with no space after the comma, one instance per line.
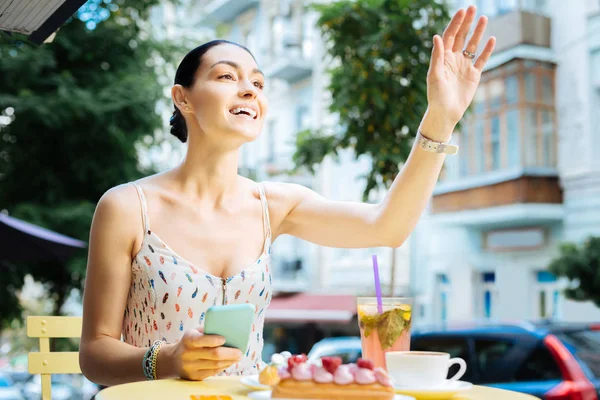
(385,331)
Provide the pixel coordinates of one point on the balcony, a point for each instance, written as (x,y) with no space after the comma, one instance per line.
(291,62)
(513,215)
(290,70)
(525,189)
(506,169)
(499,200)
(520,28)
(220,11)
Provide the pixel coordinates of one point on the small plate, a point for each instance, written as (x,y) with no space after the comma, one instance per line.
(442,392)
(253,383)
(266,395)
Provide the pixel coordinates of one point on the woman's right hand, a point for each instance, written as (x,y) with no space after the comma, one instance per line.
(196,357)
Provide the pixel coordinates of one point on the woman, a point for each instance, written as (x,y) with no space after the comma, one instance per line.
(165,248)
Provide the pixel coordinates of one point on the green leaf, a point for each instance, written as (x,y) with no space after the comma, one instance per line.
(369,323)
(390,327)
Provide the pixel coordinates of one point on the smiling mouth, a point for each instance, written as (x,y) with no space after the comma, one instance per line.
(244,112)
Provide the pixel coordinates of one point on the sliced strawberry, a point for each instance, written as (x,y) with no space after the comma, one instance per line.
(331,364)
(295,360)
(301,358)
(367,364)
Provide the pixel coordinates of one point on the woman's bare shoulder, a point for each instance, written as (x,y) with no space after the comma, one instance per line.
(282,198)
(120,200)
(124,199)
(119,210)
(119,214)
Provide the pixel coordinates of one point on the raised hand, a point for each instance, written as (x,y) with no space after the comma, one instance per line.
(455,70)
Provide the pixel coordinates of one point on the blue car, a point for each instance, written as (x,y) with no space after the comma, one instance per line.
(549,361)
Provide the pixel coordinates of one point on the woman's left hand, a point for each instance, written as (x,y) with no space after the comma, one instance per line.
(453,77)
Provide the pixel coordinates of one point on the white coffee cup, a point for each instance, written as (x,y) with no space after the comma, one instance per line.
(422,369)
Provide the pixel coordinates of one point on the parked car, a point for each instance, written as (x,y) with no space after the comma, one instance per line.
(549,361)
(346,347)
(8,390)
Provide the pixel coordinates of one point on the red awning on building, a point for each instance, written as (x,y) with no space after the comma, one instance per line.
(306,307)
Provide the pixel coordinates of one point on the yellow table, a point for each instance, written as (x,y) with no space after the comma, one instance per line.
(173,389)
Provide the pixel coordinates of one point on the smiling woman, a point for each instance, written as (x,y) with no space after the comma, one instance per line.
(218,70)
(167,247)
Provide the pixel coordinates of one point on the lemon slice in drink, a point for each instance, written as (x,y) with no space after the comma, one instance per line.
(406,311)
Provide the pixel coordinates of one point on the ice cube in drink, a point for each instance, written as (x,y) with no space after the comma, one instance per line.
(388,331)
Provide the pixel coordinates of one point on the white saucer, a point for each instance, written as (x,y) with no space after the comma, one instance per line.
(253,383)
(266,395)
(444,391)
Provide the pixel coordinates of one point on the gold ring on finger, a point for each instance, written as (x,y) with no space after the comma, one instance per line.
(468,54)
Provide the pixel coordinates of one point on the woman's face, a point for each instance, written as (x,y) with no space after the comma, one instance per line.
(227,97)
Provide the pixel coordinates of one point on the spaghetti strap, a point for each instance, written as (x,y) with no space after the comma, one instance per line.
(265,207)
(144,206)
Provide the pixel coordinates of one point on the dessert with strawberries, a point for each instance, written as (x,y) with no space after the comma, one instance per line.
(299,378)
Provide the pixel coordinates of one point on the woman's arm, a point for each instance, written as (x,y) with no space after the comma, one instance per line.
(451,84)
(103,357)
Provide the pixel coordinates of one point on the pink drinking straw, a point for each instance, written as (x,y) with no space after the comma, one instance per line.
(377,284)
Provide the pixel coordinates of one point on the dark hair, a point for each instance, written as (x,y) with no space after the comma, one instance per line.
(185,75)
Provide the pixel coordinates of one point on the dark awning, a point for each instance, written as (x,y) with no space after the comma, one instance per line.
(22,241)
(38,19)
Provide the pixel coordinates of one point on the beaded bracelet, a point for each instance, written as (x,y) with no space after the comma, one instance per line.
(149,360)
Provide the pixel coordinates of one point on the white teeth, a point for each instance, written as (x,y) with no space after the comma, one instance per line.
(245,109)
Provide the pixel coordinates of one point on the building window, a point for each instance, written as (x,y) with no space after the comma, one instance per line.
(547,134)
(465,144)
(530,137)
(513,128)
(493,8)
(302,118)
(487,294)
(442,284)
(547,296)
(511,122)
(495,139)
(511,83)
(479,148)
(520,239)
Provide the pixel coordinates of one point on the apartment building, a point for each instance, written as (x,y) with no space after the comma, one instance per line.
(527,176)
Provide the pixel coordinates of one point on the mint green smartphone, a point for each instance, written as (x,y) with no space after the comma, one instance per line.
(233,322)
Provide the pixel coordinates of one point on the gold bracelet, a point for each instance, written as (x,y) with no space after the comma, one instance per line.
(155,359)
